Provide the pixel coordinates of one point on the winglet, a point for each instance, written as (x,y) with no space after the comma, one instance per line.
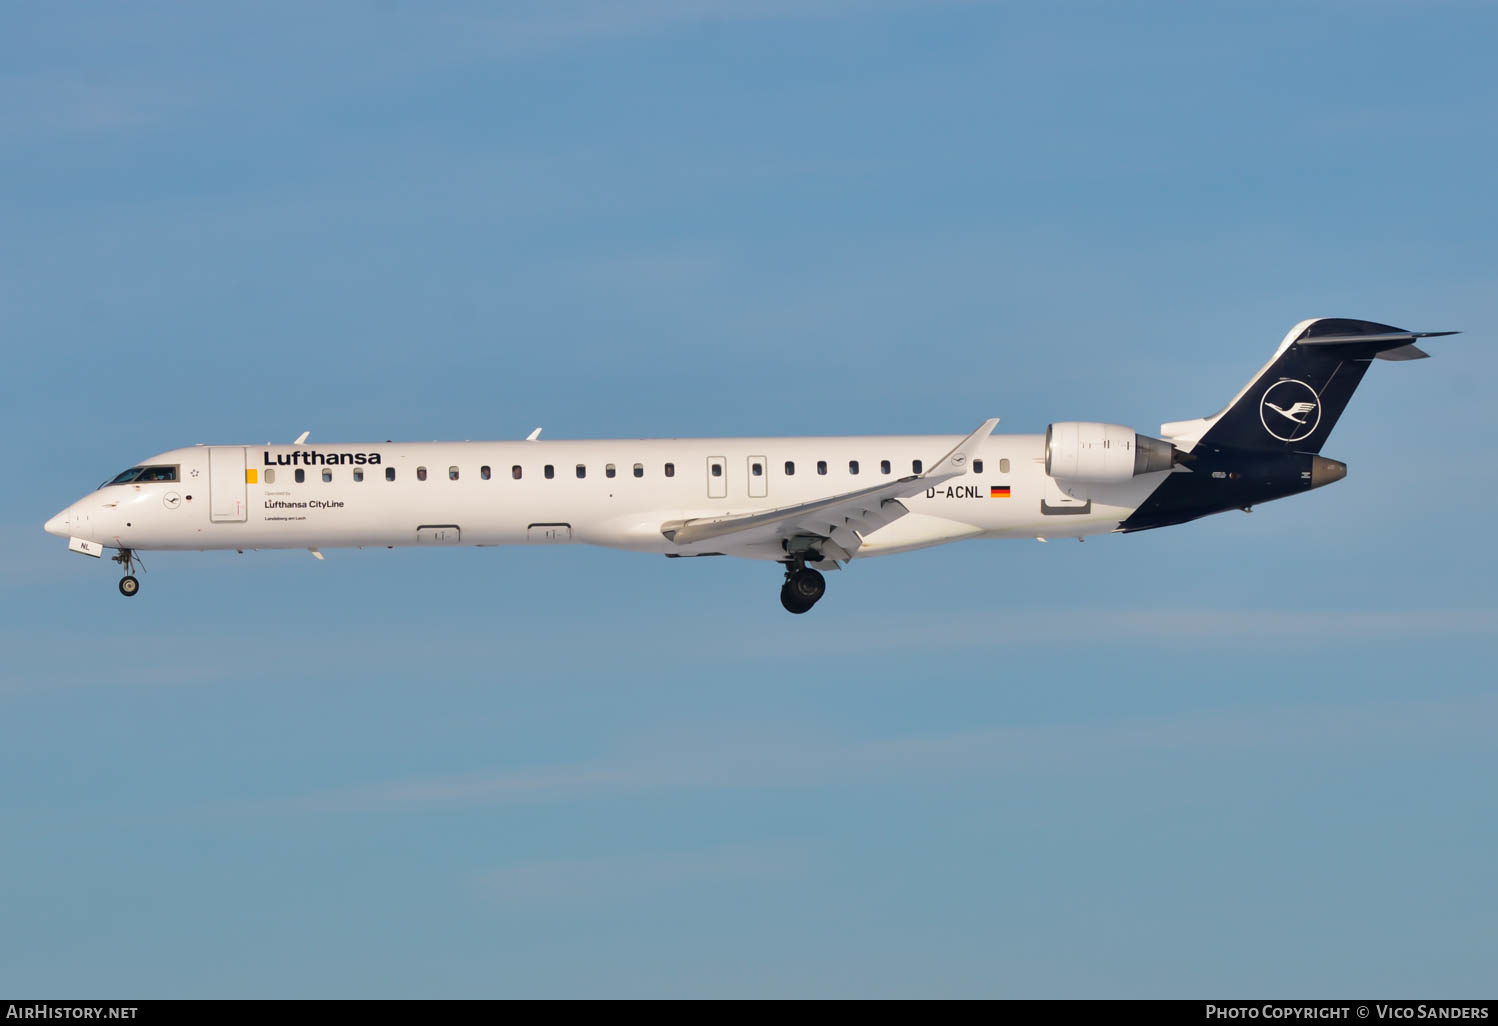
(533,435)
(301,438)
(960,459)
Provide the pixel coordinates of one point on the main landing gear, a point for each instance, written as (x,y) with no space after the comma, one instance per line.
(128,584)
(802,587)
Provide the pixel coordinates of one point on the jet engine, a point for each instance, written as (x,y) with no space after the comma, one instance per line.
(1088,453)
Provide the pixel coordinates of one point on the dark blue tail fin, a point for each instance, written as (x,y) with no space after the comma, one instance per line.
(1295,401)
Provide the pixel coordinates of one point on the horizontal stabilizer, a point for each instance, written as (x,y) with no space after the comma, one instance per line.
(1409,352)
(1392,336)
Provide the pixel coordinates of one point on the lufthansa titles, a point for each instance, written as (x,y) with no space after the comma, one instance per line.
(311,457)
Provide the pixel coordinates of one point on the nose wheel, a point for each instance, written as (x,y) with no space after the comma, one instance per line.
(802,588)
(127,559)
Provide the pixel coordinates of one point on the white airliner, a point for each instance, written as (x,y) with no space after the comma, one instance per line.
(808,504)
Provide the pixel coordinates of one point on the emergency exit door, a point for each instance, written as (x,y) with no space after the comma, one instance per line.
(717,477)
(226,484)
(759,476)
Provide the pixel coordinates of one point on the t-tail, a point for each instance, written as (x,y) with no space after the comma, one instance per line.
(1265,444)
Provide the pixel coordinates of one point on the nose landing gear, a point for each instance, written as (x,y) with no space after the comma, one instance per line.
(128,584)
(802,588)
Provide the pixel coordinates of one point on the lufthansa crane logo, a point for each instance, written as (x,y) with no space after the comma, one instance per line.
(1290,410)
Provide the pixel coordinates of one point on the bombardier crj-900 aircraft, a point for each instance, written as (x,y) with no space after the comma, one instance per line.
(809,504)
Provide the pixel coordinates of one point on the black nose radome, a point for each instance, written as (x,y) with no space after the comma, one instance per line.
(1325,471)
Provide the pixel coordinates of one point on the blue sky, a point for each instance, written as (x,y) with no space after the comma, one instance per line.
(1248,755)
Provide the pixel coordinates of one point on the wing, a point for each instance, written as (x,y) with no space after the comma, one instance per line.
(830,528)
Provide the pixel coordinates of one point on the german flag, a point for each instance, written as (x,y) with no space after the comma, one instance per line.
(998,492)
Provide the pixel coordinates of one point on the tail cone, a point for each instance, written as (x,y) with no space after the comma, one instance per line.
(1325,471)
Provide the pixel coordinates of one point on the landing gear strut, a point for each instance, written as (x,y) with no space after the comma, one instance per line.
(802,587)
(128,584)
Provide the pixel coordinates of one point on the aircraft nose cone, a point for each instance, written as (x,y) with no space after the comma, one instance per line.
(59,525)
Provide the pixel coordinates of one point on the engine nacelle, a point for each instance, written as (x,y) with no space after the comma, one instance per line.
(1088,453)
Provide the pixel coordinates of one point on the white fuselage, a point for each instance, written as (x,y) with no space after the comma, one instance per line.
(468,493)
(811,504)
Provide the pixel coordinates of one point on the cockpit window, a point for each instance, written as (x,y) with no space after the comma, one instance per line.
(139,474)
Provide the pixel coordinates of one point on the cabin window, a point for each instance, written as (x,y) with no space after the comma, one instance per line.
(608,470)
(639,470)
(421,473)
(548,472)
(915,466)
(790,468)
(757,469)
(515,472)
(301,475)
(358,474)
(884,466)
(452,473)
(582,471)
(327,475)
(821,466)
(852,466)
(389,473)
(1003,466)
(977,466)
(717,470)
(670,470)
(484,473)
(270,476)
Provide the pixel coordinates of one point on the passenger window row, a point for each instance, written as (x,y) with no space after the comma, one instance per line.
(453,474)
(609,470)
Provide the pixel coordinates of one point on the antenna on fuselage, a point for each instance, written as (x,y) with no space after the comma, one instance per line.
(301,438)
(533,435)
